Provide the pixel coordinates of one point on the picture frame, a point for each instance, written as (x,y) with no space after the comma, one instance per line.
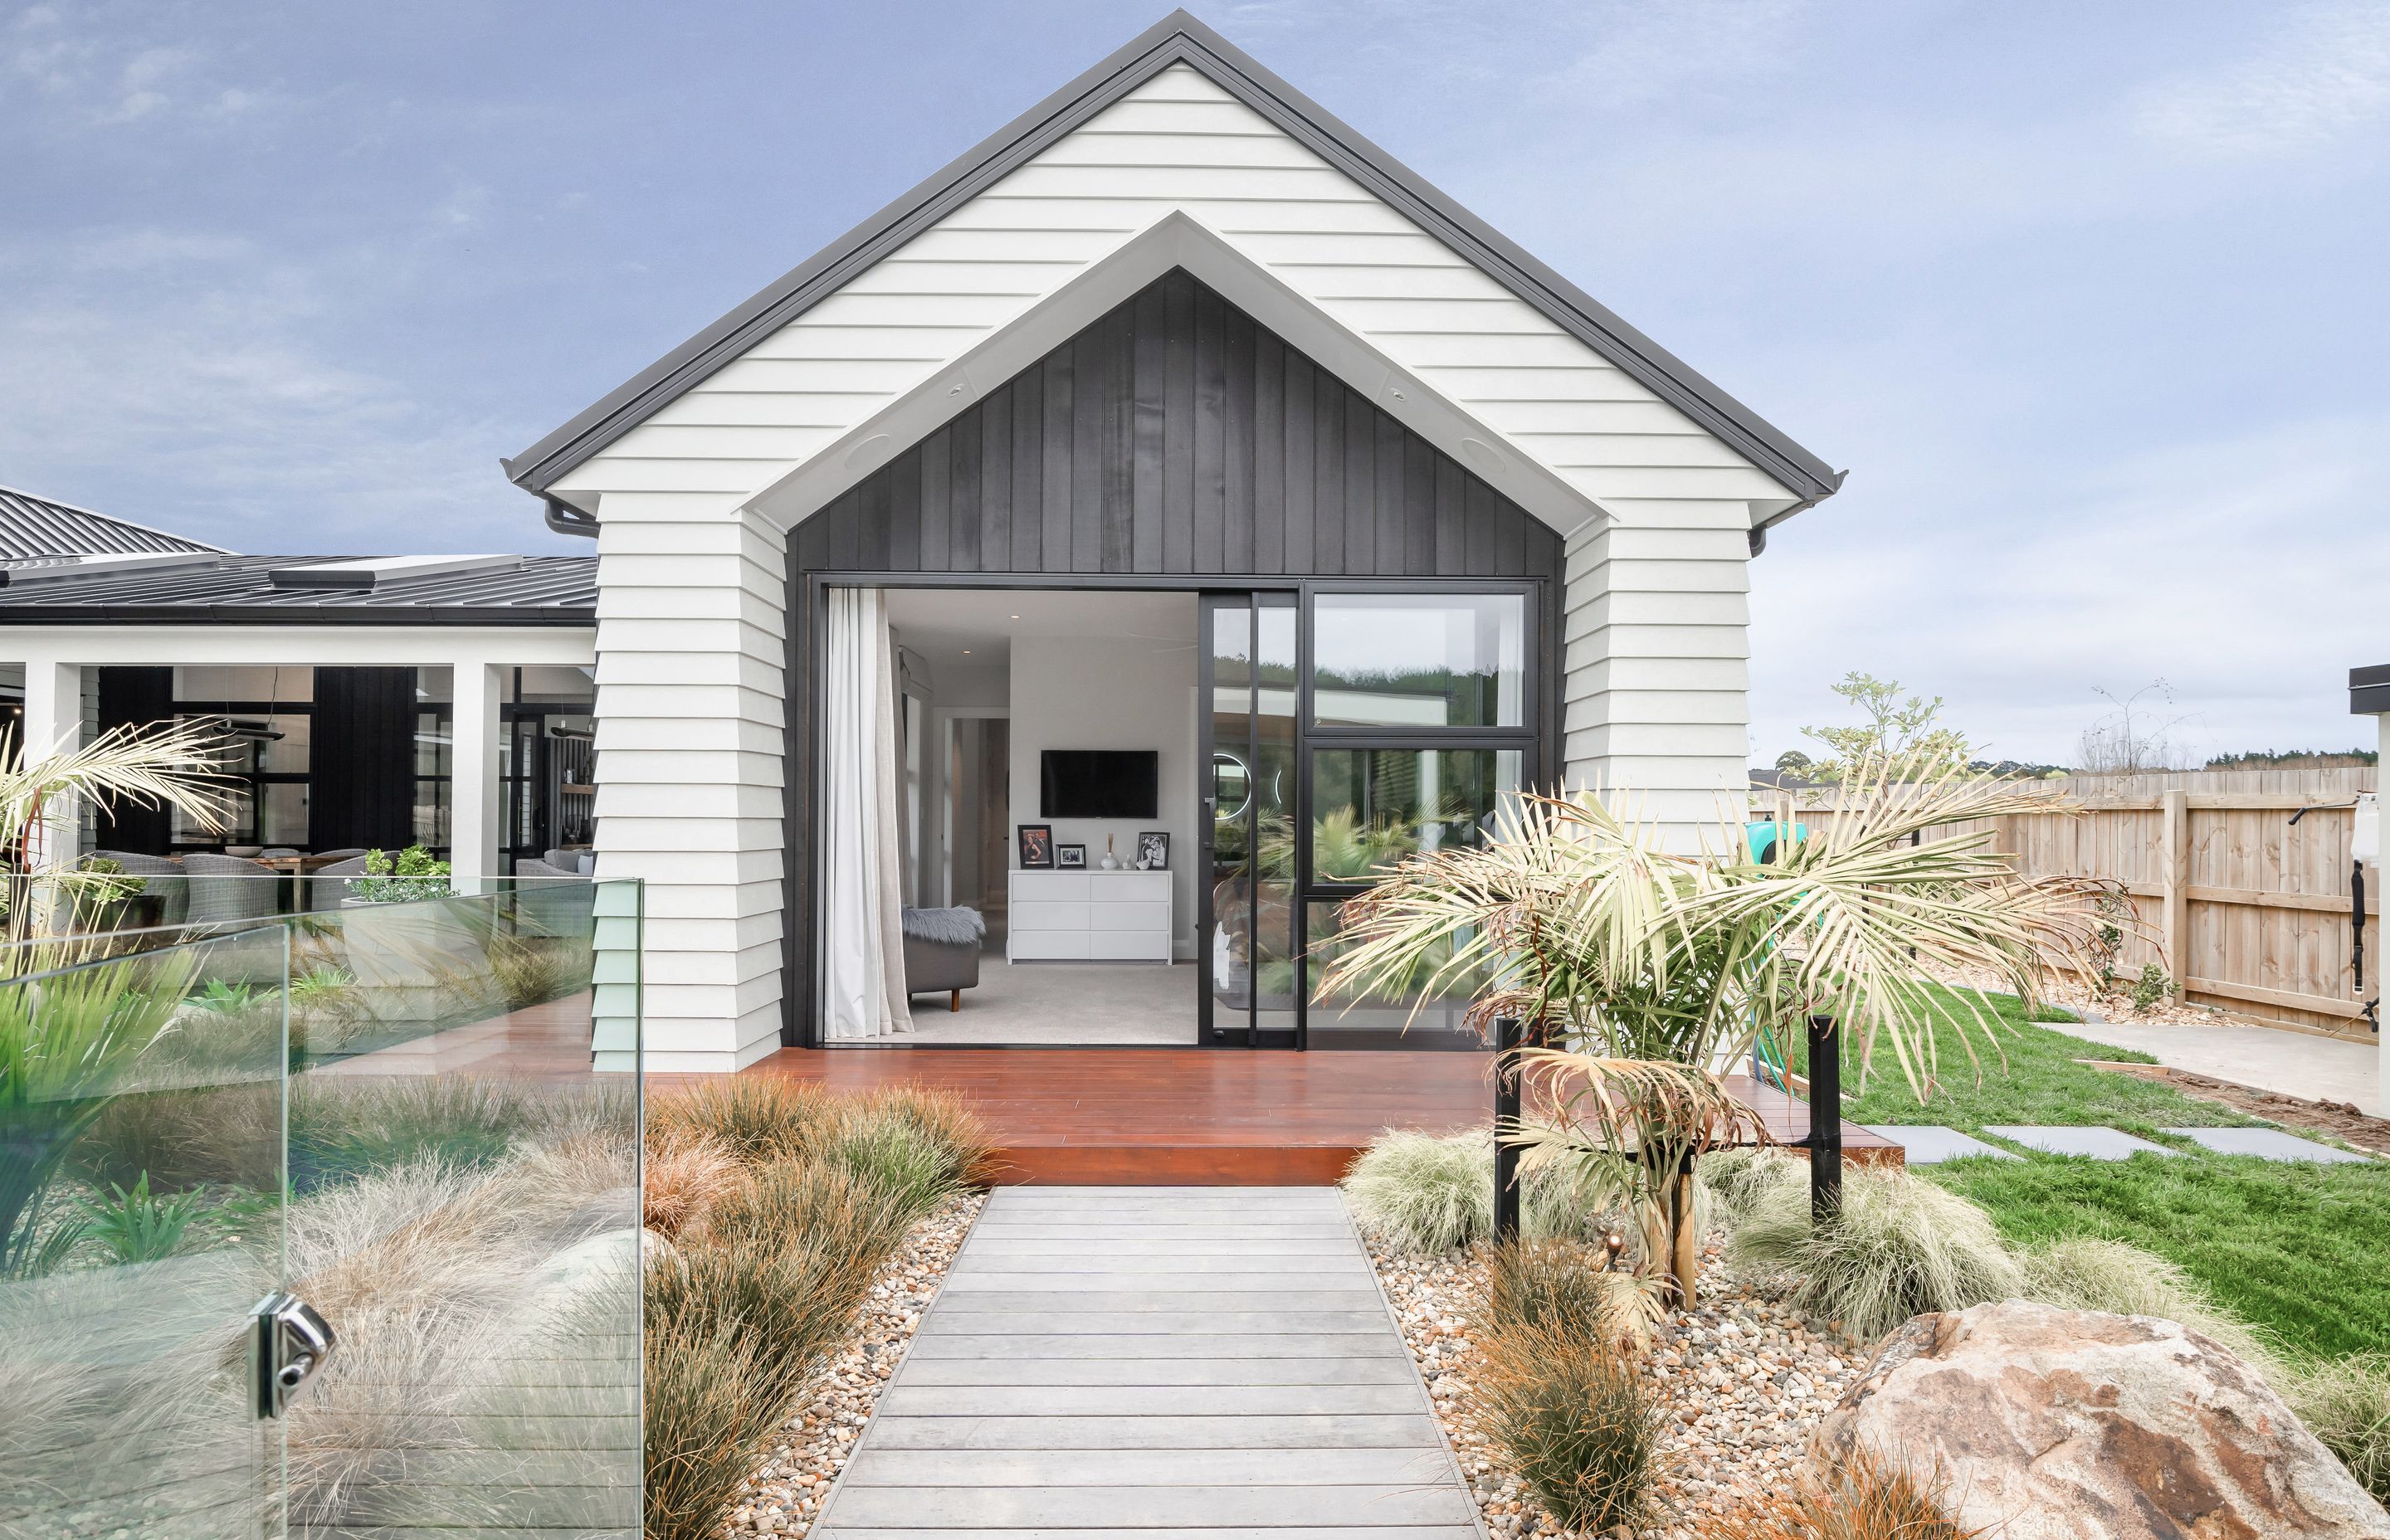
(1035,844)
(1073,857)
(1153,849)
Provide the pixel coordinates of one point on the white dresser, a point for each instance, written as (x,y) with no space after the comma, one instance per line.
(1088,917)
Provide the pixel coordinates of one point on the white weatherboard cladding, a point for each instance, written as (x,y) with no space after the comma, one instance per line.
(690,619)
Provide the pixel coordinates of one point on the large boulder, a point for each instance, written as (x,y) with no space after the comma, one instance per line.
(2074,1425)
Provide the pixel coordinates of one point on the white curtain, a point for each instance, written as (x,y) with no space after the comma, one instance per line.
(861,897)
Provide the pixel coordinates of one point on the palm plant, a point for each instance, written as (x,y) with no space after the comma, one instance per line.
(1648,971)
(70,1028)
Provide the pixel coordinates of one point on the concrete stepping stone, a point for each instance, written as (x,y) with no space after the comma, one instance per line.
(1929,1144)
(2098,1144)
(2268,1144)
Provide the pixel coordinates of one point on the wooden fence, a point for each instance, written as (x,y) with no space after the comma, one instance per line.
(2243,894)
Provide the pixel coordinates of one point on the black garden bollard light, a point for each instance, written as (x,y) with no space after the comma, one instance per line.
(1825,1140)
(1508,1036)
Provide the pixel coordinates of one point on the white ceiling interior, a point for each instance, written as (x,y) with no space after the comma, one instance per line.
(958,628)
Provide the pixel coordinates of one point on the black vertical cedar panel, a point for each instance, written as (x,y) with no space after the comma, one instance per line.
(1150,318)
(1483,508)
(1198,545)
(1449,489)
(846,534)
(1120,461)
(1028,464)
(1266,450)
(136,697)
(995,484)
(1298,554)
(1390,496)
(1360,481)
(903,480)
(963,492)
(937,467)
(872,534)
(1088,451)
(1054,543)
(1178,427)
(363,759)
(1326,472)
(1177,435)
(1418,506)
(1510,545)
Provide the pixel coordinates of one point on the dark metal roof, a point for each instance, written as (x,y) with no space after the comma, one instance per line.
(2369,690)
(545,590)
(1178,38)
(44,526)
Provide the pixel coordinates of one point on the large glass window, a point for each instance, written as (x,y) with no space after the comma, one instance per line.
(1371,807)
(1416,661)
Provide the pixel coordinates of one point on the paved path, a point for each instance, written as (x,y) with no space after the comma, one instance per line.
(1210,1362)
(2294,1063)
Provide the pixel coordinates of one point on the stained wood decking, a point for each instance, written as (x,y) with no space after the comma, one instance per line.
(1212,1116)
(1141,1360)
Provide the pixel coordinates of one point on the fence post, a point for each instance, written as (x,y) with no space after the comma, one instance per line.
(1507,1038)
(1825,1139)
(2174,877)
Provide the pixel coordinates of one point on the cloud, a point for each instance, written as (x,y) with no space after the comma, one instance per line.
(2241,569)
(2322,73)
(185,380)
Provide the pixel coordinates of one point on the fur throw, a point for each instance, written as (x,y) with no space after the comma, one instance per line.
(946,927)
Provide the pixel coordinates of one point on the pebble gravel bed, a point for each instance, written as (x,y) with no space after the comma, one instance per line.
(784,1495)
(1744,1378)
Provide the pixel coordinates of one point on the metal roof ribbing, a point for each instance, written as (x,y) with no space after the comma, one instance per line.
(1178,38)
(31,525)
(545,590)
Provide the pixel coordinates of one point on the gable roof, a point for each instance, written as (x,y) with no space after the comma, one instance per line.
(1177,39)
(31,526)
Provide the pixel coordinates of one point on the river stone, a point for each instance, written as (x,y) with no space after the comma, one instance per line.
(2074,1425)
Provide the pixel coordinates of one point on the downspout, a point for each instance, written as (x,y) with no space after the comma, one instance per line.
(564,519)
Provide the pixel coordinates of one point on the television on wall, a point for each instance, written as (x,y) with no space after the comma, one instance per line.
(1098,783)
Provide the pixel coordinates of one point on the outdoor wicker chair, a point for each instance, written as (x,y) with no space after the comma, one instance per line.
(226,890)
(328,887)
(162,877)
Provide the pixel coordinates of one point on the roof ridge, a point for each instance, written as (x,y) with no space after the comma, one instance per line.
(1178,38)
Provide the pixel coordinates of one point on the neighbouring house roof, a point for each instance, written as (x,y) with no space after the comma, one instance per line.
(307,590)
(2369,690)
(31,526)
(1177,39)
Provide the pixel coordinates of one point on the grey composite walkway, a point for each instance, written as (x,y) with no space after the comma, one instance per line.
(1209,1362)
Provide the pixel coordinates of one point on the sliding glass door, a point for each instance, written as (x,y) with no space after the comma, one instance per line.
(1248,691)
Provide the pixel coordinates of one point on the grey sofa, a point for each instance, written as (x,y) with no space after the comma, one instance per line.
(942,952)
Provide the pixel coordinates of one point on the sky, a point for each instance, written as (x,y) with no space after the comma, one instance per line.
(2090,299)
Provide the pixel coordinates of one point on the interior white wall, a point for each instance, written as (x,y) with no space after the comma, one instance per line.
(1079,692)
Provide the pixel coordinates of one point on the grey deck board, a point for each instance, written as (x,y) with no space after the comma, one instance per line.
(1210,1345)
(1255,1466)
(1140,1507)
(1152,1323)
(1154,1364)
(1386,1370)
(1343,1430)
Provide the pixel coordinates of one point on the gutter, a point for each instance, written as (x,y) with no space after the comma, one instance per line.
(564,519)
(1759,531)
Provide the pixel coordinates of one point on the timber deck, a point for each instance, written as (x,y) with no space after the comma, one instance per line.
(1215,1117)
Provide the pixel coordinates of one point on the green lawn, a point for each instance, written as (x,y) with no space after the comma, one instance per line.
(2030,1077)
(2301,1250)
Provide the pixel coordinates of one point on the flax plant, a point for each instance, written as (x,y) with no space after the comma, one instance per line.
(1648,971)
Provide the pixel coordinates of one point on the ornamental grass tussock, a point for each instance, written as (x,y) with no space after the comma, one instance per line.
(791,1213)
(1574,1418)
